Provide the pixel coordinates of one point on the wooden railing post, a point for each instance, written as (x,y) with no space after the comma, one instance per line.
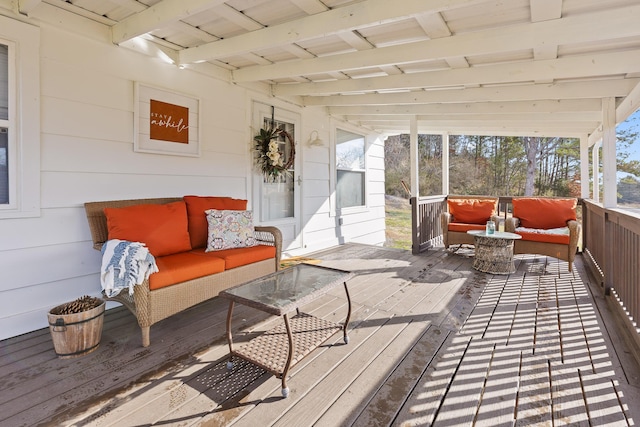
(607,268)
(425,220)
(415,226)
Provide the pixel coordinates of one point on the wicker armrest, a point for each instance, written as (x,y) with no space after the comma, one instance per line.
(510,224)
(574,234)
(268,235)
(445,219)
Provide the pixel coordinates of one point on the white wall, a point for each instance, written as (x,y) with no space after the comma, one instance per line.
(87,99)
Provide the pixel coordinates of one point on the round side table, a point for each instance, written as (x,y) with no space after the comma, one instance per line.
(494,252)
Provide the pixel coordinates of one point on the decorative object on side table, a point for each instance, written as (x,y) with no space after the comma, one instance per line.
(76,326)
(272,162)
(491,227)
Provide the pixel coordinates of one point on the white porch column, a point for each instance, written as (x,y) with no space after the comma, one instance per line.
(584,166)
(413,157)
(445,163)
(595,156)
(610,198)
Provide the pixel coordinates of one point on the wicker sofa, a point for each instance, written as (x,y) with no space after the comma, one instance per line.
(466,213)
(548,226)
(151,302)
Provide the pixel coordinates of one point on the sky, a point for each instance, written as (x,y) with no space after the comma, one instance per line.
(632,121)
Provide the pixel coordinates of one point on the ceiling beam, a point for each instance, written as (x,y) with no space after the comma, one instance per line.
(26,6)
(628,105)
(573,90)
(357,15)
(158,16)
(426,130)
(574,67)
(433,25)
(543,36)
(577,106)
(498,129)
(590,117)
(310,7)
(497,124)
(543,10)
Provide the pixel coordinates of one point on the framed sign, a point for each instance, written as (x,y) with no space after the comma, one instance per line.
(166,122)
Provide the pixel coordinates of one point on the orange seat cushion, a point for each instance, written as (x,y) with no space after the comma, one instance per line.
(546,213)
(463,228)
(545,237)
(471,211)
(196,205)
(178,268)
(163,228)
(238,257)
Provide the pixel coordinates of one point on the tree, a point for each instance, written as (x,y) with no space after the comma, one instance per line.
(625,139)
(531,148)
(488,165)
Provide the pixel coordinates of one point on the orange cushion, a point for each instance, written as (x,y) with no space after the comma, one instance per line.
(196,205)
(472,211)
(463,228)
(538,212)
(178,268)
(238,257)
(163,228)
(545,237)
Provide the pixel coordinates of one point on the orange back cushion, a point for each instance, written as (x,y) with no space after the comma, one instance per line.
(472,211)
(163,228)
(196,205)
(540,212)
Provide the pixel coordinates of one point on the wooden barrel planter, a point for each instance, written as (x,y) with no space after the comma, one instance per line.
(76,327)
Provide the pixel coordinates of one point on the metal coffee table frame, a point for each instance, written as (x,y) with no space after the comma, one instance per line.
(281,293)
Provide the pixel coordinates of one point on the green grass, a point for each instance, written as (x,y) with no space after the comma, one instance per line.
(398,223)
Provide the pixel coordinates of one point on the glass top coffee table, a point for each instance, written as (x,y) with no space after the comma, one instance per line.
(494,252)
(282,293)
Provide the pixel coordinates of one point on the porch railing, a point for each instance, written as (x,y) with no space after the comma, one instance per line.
(425,216)
(610,245)
(425,220)
(612,251)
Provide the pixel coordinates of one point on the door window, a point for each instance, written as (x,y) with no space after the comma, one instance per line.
(350,168)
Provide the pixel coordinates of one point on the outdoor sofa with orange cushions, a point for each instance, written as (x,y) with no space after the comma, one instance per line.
(175,230)
(548,226)
(466,213)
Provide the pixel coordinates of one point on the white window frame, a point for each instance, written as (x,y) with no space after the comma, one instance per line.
(24,118)
(334,170)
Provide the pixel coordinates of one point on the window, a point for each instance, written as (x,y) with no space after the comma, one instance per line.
(350,168)
(4,167)
(19,121)
(278,197)
(4,124)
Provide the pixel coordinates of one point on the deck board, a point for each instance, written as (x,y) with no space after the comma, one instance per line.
(433,342)
(363,407)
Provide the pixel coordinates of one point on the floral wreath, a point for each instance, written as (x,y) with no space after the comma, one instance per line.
(269,159)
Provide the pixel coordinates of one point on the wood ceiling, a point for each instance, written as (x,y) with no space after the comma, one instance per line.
(508,67)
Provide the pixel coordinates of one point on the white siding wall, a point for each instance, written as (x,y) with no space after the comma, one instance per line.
(368,226)
(87,98)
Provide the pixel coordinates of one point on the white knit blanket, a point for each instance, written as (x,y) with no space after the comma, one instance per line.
(124,265)
(561,230)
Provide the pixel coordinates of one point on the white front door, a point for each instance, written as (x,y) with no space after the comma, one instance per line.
(277,201)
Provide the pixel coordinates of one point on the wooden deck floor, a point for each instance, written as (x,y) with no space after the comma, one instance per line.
(432,342)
